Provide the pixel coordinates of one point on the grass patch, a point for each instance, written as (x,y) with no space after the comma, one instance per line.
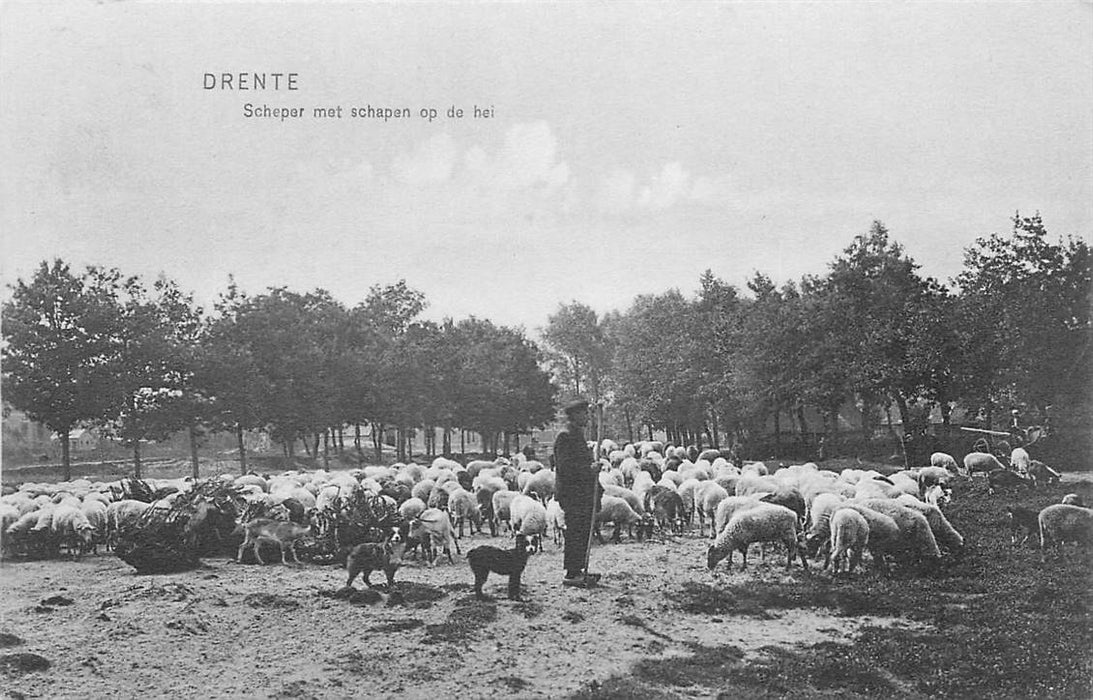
(1002,624)
(705,666)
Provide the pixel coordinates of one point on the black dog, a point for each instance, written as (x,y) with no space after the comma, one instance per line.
(507,562)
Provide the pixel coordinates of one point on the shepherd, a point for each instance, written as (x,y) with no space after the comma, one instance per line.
(578,492)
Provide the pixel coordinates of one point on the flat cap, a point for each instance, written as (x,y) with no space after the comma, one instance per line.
(575,404)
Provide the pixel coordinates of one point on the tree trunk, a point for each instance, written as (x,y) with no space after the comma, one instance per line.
(326,448)
(357,440)
(462,443)
(136,459)
(777,430)
(629,424)
(242,449)
(66,451)
(193,452)
(377,442)
(715,429)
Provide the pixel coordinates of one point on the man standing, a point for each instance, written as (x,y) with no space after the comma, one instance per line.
(578,491)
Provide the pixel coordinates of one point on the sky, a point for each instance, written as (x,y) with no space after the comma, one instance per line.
(630,147)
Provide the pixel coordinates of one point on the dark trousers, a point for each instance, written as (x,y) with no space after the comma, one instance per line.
(578,525)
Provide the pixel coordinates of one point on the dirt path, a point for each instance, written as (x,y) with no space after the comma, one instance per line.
(275,631)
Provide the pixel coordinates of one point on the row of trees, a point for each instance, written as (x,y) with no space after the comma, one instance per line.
(1011,331)
(144,362)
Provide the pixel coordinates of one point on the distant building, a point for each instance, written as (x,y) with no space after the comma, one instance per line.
(80,440)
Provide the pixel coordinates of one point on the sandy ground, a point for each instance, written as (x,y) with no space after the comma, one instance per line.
(274,631)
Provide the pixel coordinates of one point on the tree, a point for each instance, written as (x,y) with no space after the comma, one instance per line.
(58,331)
(577,349)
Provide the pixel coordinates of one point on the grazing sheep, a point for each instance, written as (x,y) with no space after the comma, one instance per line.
(627,495)
(946,535)
(1019,460)
(667,508)
(916,535)
(1073,499)
(435,526)
(980,462)
(411,508)
(945,461)
(818,535)
(937,495)
(617,511)
(1038,471)
(884,534)
(1018,518)
(1061,523)
(707,496)
(1005,479)
(72,529)
(729,507)
(541,484)
(464,508)
(849,538)
(766,522)
(507,562)
(122,514)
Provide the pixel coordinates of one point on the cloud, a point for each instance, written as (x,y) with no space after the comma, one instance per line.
(666,188)
(431,163)
(527,159)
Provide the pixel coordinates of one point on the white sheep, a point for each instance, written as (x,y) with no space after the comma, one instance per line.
(556,520)
(765,523)
(502,501)
(1020,460)
(728,507)
(707,496)
(980,462)
(946,535)
(617,511)
(945,461)
(529,518)
(1061,523)
(121,514)
(849,538)
(915,532)
(541,483)
(884,534)
(464,508)
(435,526)
(72,529)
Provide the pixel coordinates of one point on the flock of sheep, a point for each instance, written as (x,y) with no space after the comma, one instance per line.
(648,488)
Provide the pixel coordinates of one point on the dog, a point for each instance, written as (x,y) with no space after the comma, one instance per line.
(376,556)
(1018,518)
(507,562)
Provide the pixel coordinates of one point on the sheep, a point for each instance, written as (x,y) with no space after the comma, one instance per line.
(849,537)
(411,508)
(929,476)
(9,515)
(1073,499)
(423,489)
(980,462)
(917,537)
(945,461)
(617,511)
(1005,479)
(541,484)
(764,523)
(556,521)
(1019,460)
(937,495)
(1018,518)
(1038,471)
(817,537)
(730,506)
(627,495)
(707,496)
(72,528)
(284,534)
(528,518)
(435,526)
(464,508)
(686,493)
(667,508)
(501,503)
(884,534)
(1064,523)
(946,535)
